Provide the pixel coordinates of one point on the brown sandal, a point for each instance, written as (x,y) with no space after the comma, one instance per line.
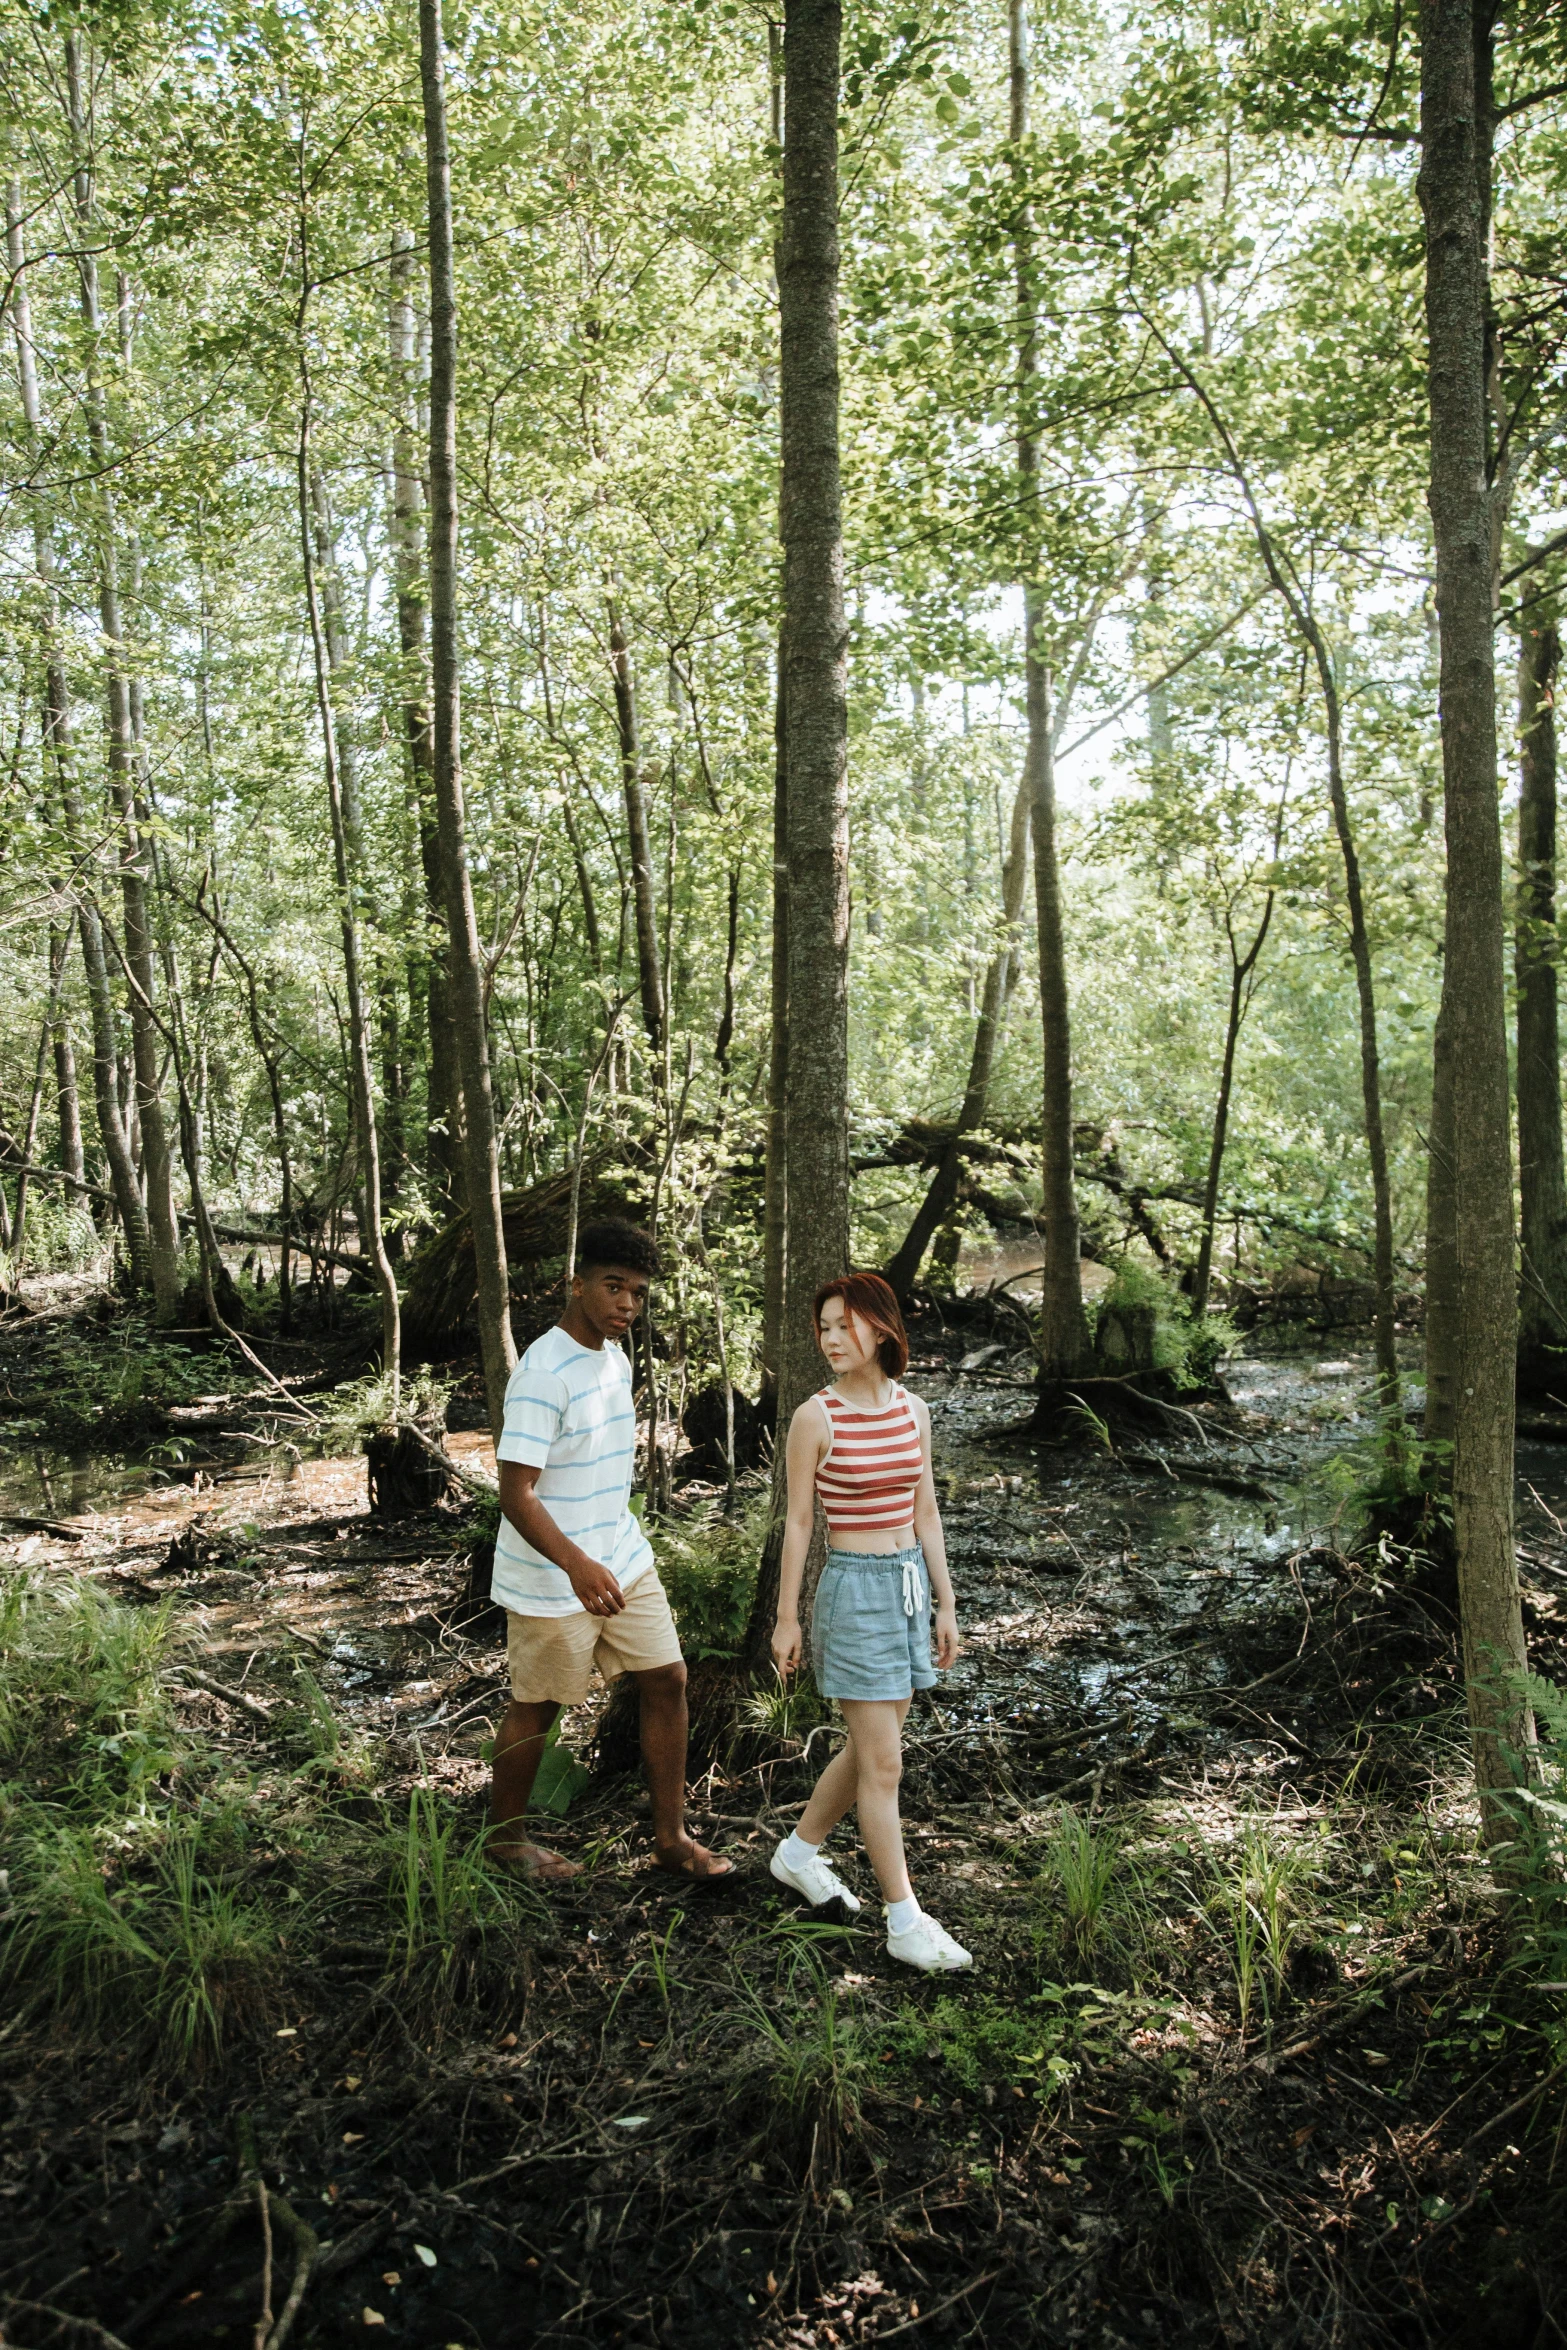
(690,1869)
(534,1862)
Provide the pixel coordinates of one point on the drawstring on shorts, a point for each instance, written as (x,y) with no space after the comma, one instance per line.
(912,1593)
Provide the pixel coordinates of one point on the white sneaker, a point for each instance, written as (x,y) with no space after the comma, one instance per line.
(929,1947)
(815,1880)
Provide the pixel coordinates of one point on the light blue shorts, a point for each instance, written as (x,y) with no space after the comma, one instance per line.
(870,1625)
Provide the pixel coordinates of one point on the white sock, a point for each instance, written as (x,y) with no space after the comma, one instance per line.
(902,1916)
(797,1852)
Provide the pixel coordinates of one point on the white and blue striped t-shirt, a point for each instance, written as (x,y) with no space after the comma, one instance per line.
(569,1414)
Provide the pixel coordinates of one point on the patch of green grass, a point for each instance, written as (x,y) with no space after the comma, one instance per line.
(814,2059)
(327,1747)
(460,1928)
(170,1955)
(1089,1896)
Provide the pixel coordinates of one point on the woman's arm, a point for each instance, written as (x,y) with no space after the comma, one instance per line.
(808,1441)
(933,1541)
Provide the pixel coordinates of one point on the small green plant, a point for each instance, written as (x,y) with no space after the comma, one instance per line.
(787,1711)
(1254,1911)
(1075,1881)
(814,2059)
(326,1746)
(1095,1429)
(457,1923)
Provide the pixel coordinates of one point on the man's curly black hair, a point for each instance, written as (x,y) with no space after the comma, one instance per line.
(611,1241)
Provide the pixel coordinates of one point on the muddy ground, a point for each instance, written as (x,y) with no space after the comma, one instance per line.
(1248,2054)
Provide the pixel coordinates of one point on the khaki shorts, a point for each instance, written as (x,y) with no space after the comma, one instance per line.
(552,1657)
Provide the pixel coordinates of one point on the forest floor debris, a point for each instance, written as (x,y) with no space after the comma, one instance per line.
(1247,2055)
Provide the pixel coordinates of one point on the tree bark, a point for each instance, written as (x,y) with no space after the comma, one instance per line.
(1455,113)
(157,1167)
(904,1269)
(775,1212)
(814,693)
(466,966)
(650,972)
(1064,1343)
(1441,1317)
(1542,1183)
(816,1142)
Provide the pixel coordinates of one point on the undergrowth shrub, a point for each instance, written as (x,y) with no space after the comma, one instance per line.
(1186,1351)
(708,1566)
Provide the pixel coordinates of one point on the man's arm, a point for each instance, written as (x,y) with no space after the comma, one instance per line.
(593,1584)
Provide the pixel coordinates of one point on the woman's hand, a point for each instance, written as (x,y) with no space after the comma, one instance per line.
(786,1645)
(947,1641)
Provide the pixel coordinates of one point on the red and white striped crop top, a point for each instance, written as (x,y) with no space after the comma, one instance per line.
(873,1466)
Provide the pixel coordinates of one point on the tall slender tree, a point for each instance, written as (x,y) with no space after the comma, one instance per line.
(1456,122)
(465,968)
(1064,1343)
(1542,1182)
(137,947)
(59,756)
(814,729)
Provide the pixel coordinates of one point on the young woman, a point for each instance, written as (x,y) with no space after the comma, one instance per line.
(862,1446)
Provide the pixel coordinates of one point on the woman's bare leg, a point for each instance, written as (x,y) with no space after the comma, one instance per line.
(876,1736)
(834,1794)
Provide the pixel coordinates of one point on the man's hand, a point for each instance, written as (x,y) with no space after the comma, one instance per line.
(597,1588)
(786,1645)
(947,1642)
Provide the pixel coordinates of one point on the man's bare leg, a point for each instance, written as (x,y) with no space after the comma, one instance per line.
(519,1749)
(664,1729)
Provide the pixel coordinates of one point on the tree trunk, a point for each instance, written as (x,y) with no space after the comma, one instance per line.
(1542,1185)
(466,968)
(1064,1343)
(815,731)
(162,1224)
(73,1159)
(443,1116)
(1441,1330)
(112,1129)
(1241,968)
(328,649)
(904,1269)
(816,1143)
(59,943)
(1455,110)
(775,1216)
(650,973)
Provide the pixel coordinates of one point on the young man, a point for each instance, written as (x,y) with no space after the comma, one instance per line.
(573,1567)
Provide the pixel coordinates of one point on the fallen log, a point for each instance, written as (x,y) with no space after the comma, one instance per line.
(442,1283)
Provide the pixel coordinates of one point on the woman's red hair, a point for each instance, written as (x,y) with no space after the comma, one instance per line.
(872,1300)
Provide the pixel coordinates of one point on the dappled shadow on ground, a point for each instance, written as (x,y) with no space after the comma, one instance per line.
(1242,2058)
